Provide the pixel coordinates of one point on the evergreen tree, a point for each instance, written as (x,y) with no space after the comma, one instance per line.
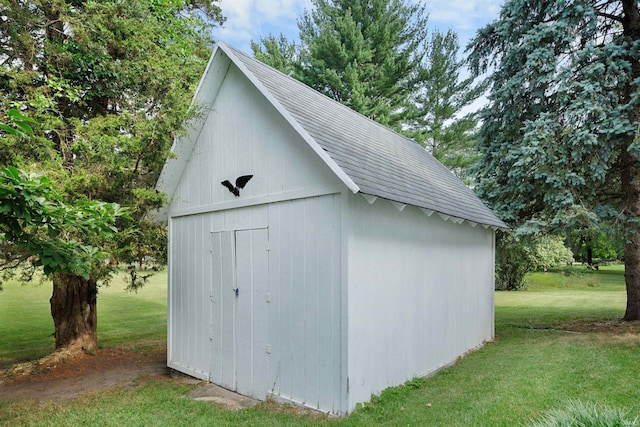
(373,56)
(365,54)
(439,126)
(108,84)
(278,53)
(560,142)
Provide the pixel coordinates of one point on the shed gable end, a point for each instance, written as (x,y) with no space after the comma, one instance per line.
(243,134)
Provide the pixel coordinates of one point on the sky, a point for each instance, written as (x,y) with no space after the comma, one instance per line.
(249,20)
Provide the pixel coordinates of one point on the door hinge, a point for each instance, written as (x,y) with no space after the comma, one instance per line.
(212,296)
(267,348)
(268,248)
(268,298)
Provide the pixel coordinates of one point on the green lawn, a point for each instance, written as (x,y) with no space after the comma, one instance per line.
(533,365)
(555,297)
(26,327)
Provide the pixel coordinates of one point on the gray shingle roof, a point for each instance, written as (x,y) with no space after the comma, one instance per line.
(378,160)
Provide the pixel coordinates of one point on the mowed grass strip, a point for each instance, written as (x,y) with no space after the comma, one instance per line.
(26,326)
(533,365)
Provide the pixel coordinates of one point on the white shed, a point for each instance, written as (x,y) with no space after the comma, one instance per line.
(349,262)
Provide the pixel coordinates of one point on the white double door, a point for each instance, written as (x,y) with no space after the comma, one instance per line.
(239,310)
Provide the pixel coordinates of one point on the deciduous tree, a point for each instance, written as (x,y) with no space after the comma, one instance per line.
(560,140)
(108,83)
(37,229)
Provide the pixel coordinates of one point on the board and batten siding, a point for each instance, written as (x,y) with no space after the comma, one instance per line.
(285,340)
(420,293)
(299,289)
(244,134)
(281,338)
(306,317)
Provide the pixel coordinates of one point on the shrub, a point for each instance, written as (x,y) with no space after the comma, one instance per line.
(549,251)
(516,256)
(513,261)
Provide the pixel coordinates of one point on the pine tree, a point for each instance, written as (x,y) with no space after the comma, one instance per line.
(277,52)
(373,56)
(560,140)
(364,54)
(440,126)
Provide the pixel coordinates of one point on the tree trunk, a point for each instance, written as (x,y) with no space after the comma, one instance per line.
(73,308)
(631,206)
(631,172)
(632,279)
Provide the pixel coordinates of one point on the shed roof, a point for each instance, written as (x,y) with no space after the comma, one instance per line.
(368,157)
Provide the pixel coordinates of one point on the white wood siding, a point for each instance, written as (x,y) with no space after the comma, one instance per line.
(304,315)
(190,287)
(337,298)
(420,294)
(243,134)
(251,301)
(293,349)
(202,277)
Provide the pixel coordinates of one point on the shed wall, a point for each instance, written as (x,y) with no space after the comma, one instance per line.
(293,347)
(296,329)
(420,294)
(305,316)
(244,134)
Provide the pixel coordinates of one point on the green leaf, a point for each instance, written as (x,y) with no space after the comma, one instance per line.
(24,127)
(9,129)
(16,115)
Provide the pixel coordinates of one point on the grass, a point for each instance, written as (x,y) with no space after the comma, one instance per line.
(533,366)
(26,327)
(585,414)
(555,297)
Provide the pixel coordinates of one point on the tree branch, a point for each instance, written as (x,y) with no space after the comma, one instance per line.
(610,16)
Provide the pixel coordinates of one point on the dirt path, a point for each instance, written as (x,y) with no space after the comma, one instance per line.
(59,376)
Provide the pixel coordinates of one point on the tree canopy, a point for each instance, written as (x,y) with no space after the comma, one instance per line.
(363,53)
(108,85)
(439,123)
(375,56)
(36,224)
(277,52)
(559,143)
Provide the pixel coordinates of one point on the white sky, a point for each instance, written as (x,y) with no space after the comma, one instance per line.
(251,19)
